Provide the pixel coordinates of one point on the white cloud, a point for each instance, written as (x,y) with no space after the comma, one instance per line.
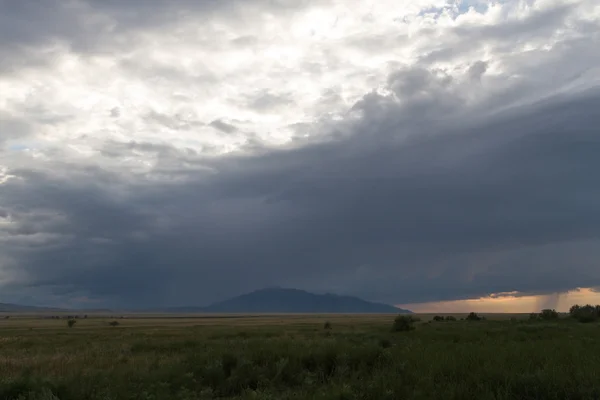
(272,70)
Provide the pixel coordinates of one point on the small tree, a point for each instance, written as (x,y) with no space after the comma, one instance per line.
(403,323)
(473,317)
(534,316)
(71,322)
(587,313)
(549,314)
(574,309)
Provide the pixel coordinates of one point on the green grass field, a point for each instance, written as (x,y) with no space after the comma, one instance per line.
(294,357)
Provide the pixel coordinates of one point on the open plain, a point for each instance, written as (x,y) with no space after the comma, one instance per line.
(187,357)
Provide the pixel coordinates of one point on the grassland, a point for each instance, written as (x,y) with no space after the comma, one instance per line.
(294,357)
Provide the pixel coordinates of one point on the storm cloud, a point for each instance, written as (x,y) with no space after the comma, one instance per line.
(464,168)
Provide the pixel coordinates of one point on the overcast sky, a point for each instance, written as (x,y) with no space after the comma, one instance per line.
(171,152)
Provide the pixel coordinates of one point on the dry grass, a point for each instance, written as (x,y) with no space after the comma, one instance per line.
(293,357)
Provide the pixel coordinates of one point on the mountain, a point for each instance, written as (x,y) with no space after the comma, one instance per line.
(278,300)
(17,308)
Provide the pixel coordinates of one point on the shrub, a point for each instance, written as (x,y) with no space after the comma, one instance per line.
(473,317)
(403,323)
(548,314)
(438,318)
(587,313)
(327,325)
(450,318)
(114,323)
(71,322)
(228,362)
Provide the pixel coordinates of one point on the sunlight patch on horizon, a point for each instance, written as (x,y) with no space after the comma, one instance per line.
(510,302)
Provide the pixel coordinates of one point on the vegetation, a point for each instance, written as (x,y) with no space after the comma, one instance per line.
(546,315)
(403,323)
(292,357)
(587,313)
(473,317)
(71,322)
(439,318)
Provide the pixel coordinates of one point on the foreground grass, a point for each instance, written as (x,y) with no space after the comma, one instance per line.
(295,358)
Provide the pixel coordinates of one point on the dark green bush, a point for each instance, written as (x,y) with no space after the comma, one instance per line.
(473,317)
(403,323)
(534,316)
(585,314)
(228,362)
(549,314)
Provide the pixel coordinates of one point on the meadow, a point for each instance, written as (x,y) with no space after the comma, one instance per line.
(297,357)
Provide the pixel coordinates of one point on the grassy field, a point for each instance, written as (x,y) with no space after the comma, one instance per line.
(295,357)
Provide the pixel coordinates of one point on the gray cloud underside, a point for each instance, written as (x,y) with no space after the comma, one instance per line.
(423,197)
(377,222)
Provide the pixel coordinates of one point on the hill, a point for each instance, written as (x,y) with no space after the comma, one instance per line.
(17,308)
(278,300)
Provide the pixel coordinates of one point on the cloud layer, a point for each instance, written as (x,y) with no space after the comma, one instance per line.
(181,152)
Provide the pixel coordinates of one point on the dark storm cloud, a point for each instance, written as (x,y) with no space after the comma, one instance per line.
(400,220)
(425,197)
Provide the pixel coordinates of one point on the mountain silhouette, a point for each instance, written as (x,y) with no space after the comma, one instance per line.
(17,308)
(281,300)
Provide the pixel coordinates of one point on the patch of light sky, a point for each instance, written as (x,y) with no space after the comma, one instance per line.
(182,76)
(510,303)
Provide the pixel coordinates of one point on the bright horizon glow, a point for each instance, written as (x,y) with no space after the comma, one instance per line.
(510,303)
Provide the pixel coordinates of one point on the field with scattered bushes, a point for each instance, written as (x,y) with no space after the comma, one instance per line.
(540,356)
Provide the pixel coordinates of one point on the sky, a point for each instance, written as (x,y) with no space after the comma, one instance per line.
(430,153)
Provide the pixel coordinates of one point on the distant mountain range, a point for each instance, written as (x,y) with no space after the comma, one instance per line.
(16,308)
(279,300)
(271,300)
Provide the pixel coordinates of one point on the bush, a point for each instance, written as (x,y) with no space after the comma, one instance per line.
(403,323)
(114,323)
(228,362)
(327,325)
(534,316)
(587,313)
(71,322)
(438,318)
(548,314)
(473,317)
